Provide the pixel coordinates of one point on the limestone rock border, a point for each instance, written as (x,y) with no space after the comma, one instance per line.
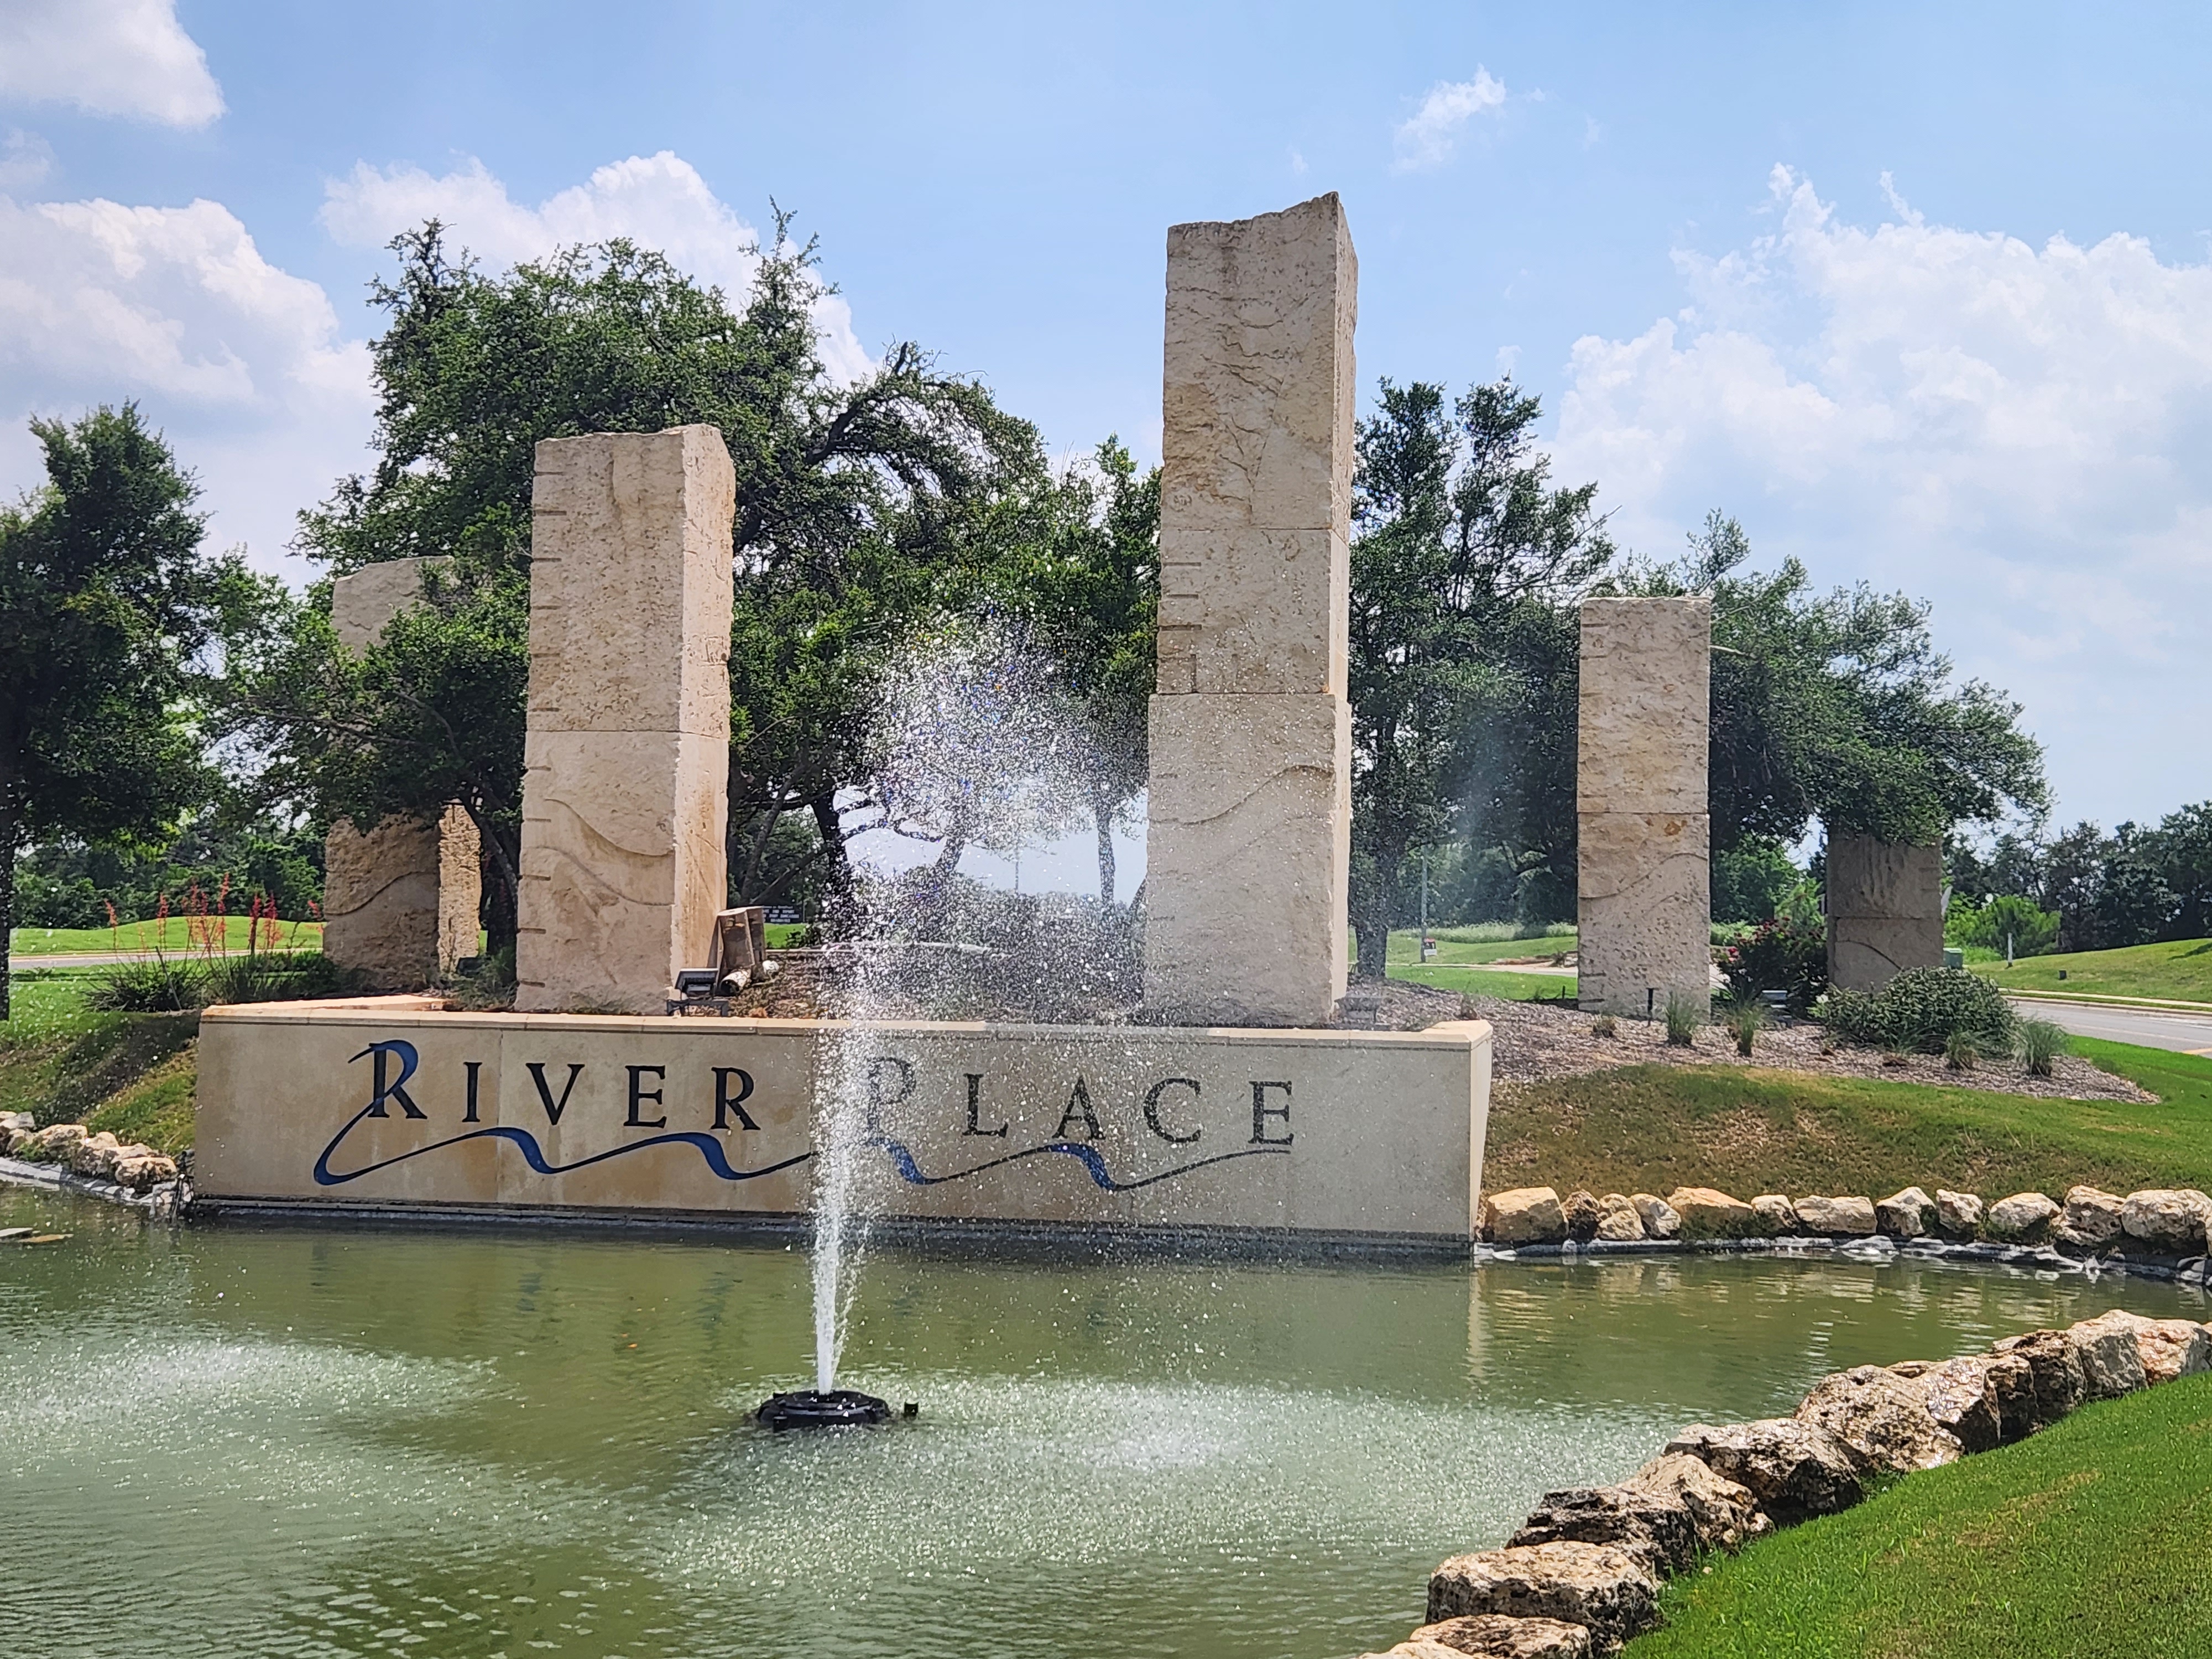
(1595,1557)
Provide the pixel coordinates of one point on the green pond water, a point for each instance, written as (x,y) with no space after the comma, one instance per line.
(234,1441)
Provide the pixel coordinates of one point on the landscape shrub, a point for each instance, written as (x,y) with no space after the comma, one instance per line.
(1923,1009)
(2036,1043)
(1683,1014)
(1744,1017)
(161,985)
(1791,957)
(276,977)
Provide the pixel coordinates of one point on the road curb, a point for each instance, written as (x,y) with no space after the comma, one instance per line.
(2090,999)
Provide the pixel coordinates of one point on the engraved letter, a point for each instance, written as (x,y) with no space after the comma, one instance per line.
(1152,1108)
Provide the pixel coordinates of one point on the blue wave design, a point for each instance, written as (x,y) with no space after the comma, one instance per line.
(534,1155)
(910,1170)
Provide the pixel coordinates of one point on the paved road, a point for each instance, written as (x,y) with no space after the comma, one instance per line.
(2188,1034)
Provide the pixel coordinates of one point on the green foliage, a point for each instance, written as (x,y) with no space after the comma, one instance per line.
(1457,528)
(2138,885)
(2006,919)
(72,882)
(860,506)
(2081,1541)
(1744,1018)
(1839,705)
(157,985)
(1779,956)
(1961,1052)
(271,977)
(1684,1015)
(108,605)
(1750,879)
(1083,579)
(1923,1009)
(2037,1042)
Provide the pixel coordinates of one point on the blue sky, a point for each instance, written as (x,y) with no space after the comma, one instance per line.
(1923,300)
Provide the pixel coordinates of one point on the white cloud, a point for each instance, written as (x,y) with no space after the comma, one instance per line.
(26,159)
(1426,138)
(240,362)
(110,56)
(2015,433)
(659,201)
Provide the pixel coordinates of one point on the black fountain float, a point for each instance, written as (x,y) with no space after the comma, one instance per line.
(840,1408)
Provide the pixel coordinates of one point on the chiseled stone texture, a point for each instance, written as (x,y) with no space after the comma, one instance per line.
(1644,853)
(1247,849)
(363,603)
(380,901)
(626,760)
(399,902)
(1256,453)
(1884,910)
(1249,837)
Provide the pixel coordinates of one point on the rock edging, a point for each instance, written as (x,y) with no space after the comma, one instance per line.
(67,1158)
(1583,1575)
(2156,1232)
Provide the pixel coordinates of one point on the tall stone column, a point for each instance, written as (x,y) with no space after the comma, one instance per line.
(626,760)
(1884,910)
(1249,836)
(1644,855)
(399,900)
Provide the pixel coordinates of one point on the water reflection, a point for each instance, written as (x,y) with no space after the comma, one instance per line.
(325,1443)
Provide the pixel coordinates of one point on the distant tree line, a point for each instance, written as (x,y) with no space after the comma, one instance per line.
(2092,891)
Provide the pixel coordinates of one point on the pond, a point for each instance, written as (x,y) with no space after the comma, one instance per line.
(312,1442)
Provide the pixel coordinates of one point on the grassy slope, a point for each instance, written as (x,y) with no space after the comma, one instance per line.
(1652,1129)
(2180,969)
(2085,1540)
(63,1062)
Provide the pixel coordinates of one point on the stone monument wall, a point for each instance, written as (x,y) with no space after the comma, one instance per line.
(1646,879)
(395,1103)
(626,760)
(1250,802)
(1884,910)
(399,902)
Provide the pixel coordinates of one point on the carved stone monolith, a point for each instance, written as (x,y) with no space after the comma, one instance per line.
(1884,910)
(1646,879)
(1248,839)
(399,900)
(626,759)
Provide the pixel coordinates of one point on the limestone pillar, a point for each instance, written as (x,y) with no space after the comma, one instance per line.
(1640,797)
(1884,910)
(399,902)
(1250,815)
(626,760)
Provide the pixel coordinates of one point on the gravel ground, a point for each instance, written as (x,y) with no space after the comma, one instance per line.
(1538,1040)
(1535,1040)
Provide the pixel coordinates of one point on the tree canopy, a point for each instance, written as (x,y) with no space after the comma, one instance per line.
(856,502)
(109,604)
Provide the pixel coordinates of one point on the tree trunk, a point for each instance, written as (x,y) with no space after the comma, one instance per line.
(1102,815)
(500,906)
(1374,936)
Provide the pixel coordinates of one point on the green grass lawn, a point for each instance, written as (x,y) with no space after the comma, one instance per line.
(2180,969)
(1652,1129)
(2084,1542)
(64,1062)
(1488,982)
(172,936)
